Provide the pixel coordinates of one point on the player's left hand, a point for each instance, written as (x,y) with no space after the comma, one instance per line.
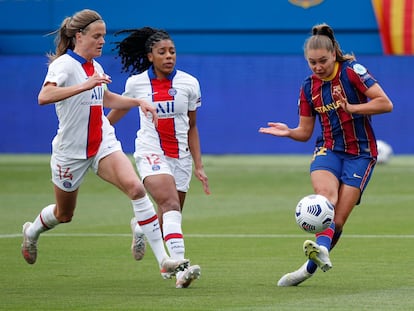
(149,109)
(342,100)
(201,175)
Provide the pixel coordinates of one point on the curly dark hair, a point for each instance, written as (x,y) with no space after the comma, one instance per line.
(134,48)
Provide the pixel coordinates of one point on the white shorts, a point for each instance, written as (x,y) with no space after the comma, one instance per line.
(68,173)
(155,164)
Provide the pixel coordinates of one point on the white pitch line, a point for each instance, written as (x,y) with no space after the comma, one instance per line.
(231,236)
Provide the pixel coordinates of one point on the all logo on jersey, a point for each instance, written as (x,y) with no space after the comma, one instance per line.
(97,93)
(165,107)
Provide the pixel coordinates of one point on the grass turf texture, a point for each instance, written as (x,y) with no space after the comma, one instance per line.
(243,236)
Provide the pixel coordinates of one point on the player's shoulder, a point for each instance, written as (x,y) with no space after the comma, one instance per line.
(355,66)
(63,59)
(138,79)
(185,75)
(307,82)
(63,62)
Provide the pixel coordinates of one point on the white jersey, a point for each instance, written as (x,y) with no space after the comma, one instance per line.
(174,98)
(82,123)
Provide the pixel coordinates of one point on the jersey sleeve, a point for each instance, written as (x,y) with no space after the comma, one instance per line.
(194,100)
(57,73)
(128,92)
(360,77)
(304,104)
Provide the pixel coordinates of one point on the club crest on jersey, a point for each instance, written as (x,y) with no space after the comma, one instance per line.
(172,92)
(336,88)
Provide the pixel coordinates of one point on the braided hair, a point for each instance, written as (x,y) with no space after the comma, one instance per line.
(134,48)
(323,38)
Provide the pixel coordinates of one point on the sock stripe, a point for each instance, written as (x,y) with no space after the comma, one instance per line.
(148,221)
(43,222)
(173,236)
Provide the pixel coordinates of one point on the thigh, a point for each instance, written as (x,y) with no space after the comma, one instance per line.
(156,173)
(162,189)
(117,169)
(326,169)
(326,184)
(108,146)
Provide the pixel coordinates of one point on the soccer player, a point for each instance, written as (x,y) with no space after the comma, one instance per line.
(76,84)
(343,95)
(163,153)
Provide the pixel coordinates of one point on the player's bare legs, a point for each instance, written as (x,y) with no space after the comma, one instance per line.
(162,189)
(47,219)
(348,198)
(118,170)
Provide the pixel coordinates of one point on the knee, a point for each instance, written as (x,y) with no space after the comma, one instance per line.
(169,205)
(64,217)
(135,190)
(332,196)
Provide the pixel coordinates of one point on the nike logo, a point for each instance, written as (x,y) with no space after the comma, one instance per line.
(153,93)
(315,97)
(357,176)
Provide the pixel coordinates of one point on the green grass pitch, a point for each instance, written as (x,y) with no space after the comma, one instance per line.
(243,236)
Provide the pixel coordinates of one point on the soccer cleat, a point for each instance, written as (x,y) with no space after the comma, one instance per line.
(166,275)
(186,277)
(169,267)
(318,254)
(29,247)
(138,245)
(296,277)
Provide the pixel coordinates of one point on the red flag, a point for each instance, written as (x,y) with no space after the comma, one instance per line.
(396,24)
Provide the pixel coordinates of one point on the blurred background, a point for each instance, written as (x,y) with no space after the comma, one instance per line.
(248,57)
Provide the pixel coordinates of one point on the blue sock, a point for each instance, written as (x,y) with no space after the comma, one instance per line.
(326,239)
(311,267)
(336,237)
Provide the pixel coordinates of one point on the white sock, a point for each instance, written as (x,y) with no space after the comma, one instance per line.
(46,220)
(148,221)
(173,234)
(137,228)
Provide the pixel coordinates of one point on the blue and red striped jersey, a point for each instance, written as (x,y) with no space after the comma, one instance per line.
(341,131)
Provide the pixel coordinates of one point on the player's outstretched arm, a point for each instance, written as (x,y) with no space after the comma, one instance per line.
(301,133)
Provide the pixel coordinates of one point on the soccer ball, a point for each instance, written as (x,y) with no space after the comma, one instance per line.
(385,152)
(314,213)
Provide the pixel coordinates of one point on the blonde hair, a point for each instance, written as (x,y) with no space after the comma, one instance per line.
(65,35)
(323,38)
